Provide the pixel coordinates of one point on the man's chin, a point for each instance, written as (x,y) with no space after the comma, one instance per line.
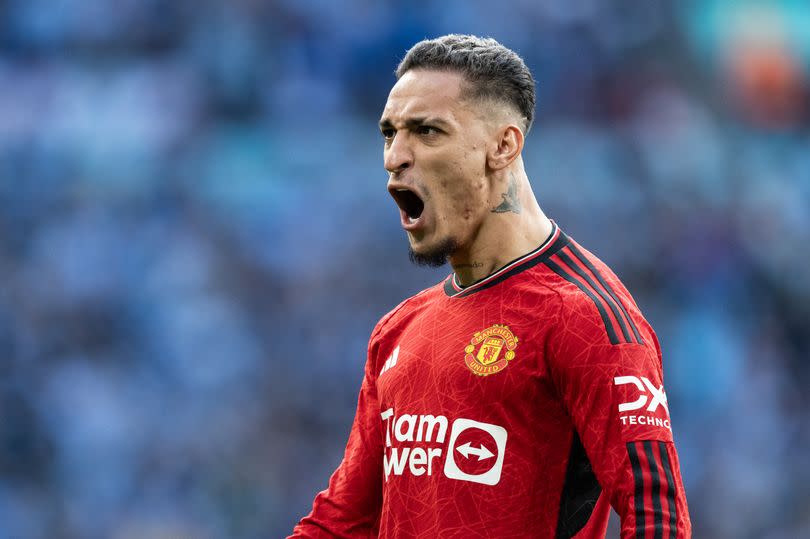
(435,256)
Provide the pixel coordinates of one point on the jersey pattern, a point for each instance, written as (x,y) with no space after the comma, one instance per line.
(525,405)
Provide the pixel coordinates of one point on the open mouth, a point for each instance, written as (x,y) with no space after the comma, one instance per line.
(409,202)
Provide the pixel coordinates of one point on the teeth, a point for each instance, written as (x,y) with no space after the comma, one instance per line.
(401,190)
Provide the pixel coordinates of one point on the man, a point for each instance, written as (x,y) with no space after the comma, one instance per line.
(523,396)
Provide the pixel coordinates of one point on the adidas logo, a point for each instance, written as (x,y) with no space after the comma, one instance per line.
(391,361)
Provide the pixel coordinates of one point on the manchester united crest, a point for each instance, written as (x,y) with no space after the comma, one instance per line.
(491,350)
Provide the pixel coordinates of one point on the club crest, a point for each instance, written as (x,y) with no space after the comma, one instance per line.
(490,350)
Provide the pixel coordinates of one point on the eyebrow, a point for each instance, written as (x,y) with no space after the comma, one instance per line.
(410,123)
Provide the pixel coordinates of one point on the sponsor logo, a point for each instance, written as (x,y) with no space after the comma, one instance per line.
(468,450)
(415,444)
(391,361)
(483,354)
(650,398)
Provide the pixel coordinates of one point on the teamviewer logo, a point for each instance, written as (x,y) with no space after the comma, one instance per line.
(472,451)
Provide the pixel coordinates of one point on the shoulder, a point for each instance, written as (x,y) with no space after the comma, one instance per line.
(406,309)
(595,305)
(386,332)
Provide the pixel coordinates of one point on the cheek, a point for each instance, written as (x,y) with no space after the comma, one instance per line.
(461,189)
(473,195)
(466,199)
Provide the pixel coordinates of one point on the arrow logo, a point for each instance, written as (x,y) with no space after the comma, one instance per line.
(482,452)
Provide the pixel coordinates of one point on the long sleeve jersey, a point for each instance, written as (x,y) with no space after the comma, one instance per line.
(525,405)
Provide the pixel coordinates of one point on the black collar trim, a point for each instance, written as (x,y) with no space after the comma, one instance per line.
(555,241)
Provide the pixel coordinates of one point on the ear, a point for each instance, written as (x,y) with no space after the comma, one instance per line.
(507,146)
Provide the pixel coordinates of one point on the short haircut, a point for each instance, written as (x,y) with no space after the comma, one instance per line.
(492,71)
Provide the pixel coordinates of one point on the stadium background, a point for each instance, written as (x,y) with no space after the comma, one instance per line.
(196,240)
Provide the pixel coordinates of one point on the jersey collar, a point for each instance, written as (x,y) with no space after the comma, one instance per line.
(555,241)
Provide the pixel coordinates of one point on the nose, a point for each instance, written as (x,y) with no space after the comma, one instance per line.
(398,155)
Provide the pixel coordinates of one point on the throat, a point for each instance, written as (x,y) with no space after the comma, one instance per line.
(467,273)
(470,268)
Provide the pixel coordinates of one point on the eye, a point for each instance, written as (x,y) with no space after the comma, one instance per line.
(427,130)
(387,133)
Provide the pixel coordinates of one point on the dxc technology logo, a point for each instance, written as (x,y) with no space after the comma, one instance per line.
(650,396)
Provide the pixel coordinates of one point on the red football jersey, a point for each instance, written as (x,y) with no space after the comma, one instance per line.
(524,405)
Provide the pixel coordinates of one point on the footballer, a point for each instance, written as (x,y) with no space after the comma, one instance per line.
(523,396)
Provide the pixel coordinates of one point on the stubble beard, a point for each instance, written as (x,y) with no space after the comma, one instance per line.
(435,257)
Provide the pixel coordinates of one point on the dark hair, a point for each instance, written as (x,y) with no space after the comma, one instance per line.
(492,70)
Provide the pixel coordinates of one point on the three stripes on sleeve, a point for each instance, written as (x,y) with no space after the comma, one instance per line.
(573,265)
(655,490)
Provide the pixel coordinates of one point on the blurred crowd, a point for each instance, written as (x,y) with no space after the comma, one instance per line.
(196,241)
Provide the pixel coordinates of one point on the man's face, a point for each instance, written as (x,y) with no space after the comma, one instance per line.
(435,154)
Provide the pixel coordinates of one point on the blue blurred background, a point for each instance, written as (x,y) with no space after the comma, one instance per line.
(196,241)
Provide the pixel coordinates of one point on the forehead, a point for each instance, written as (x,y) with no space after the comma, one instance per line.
(426,93)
